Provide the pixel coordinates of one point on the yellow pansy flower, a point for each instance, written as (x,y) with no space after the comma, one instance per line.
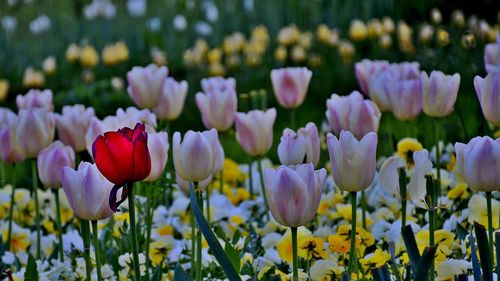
(375,260)
(284,246)
(159,250)
(406,147)
(460,191)
(312,247)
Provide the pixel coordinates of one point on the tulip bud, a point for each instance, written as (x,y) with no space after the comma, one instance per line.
(50,162)
(439,93)
(352,113)
(254,131)
(158,149)
(218,104)
(184,184)
(405,97)
(72,124)
(492,56)
(10,150)
(146,85)
(301,147)
(131,116)
(87,191)
(35,130)
(488,92)
(294,193)
(35,99)
(353,162)
(171,100)
(478,162)
(290,85)
(198,156)
(366,69)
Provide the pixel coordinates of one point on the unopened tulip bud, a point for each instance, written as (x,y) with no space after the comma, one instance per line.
(158,149)
(290,85)
(254,131)
(50,162)
(72,125)
(171,100)
(146,85)
(439,93)
(488,92)
(35,130)
(35,99)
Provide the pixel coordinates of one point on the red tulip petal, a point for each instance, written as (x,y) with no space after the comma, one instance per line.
(127,132)
(113,157)
(139,128)
(141,157)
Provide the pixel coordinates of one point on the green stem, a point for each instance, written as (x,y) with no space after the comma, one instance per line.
(295,256)
(250,177)
(263,189)
(11,209)
(133,234)
(193,246)
(490,223)
(432,224)
(352,250)
(149,216)
(403,213)
(84,224)
(438,156)
(221,181)
(208,203)
(292,119)
(199,236)
(95,236)
(363,209)
(37,209)
(59,225)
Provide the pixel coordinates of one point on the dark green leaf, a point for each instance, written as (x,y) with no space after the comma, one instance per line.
(381,274)
(212,241)
(476,268)
(461,232)
(462,277)
(411,246)
(180,274)
(427,259)
(484,252)
(234,256)
(31,273)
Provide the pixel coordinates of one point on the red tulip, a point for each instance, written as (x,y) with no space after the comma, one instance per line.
(123,156)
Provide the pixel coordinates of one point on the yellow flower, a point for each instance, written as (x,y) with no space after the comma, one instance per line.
(88,56)
(388,24)
(443,238)
(346,50)
(214,55)
(443,37)
(284,246)
(288,35)
(406,147)
(216,69)
(233,43)
(159,57)
(4,89)
(166,230)
(232,172)
(358,30)
(281,53)
(159,250)
(48,225)
(312,247)
(478,211)
(460,191)
(298,53)
(49,65)
(375,28)
(260,34)
(115,53)
(72,53)
(33,78)
(385,41)
(20,239)
(375,260)
(339,243)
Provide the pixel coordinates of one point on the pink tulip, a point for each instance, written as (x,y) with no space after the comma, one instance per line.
(35,130)
(439,93)
(171,100)
(406,98)
(146,84)
(378,90)
(158,149)
(366,69)
(294,193)
(87,191)
(478,162)
(301,147)
(10,151)
(50,162)
(492,56)
(184,184)
(352,113)
(218,104)
(35,99)
(290,85)
(131,116)
(254,131)
(72,124)
(199,156)
(353,162)
(488,92)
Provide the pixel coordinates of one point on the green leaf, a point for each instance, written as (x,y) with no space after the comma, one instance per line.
(411,246)
(212,241)
(234,255)
(381,274)
(484,252)
(31,273)
(497,248)
(422,271)
(180,274)
(476,268)
(461,232)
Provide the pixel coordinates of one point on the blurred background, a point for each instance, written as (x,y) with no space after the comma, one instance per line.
(82,50)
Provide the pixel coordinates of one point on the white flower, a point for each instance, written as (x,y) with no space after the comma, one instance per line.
(72,240)
(324,269)
(154,24)
(41,24)
(9,23)
(452,267)
(203,28)
(8,258)
(100,8)
(211,11)
(180,23)
(137,8)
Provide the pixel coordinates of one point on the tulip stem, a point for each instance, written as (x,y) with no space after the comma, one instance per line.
(149,216)
(363,209)
(11,209)
(438,155)
(262,187)
(404,195)
(352,250)
(221,181)
(294,251)
(208,203)
(199,244)
(250,177)
(490,223)
(85,228)
(292,119)
(133,229)
(193,245)
(37,209)
(95,236)
(432,218)
(58,224)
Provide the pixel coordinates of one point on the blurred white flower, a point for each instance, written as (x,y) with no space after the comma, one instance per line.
(8,258)
(248,4)
(180,23)
(137,8)
(100,8)
(211,11)
(154,24)
(72,240)
(39,25)
(9,23)
(203,28)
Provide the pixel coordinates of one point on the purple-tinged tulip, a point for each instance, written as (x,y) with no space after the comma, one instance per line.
(352,113)
(35,130)
(366,69)
(97,127)
(50,162)
(35,99)
(218,104)
(10,151)
(378,90)
(478,162)
(146,84)
(353,162)
(294,193)
(5,116)
(199,156)
(72,125)
(488,92)
(131,116)
(171,100)
(87,191)
(406,98)
(439,92)
(158,150)
(301,147)
(405,70)
(184,184)
(492,56)
(290,85)
(254,131)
